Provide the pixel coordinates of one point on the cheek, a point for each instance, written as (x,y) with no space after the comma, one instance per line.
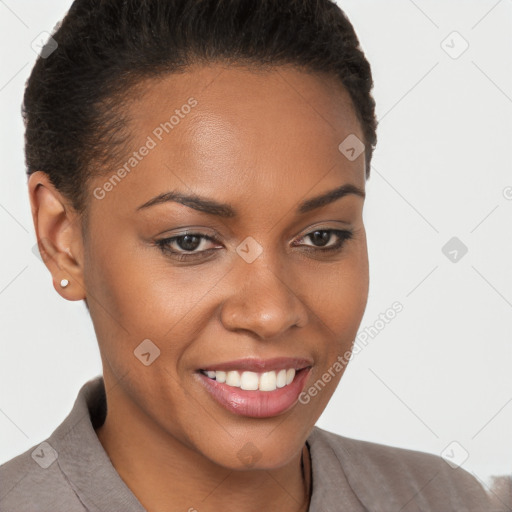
(139,290)
(339,301)
(341,297)
(339,292)
(136,294)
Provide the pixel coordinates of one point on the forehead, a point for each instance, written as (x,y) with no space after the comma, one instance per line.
(250,100)
(232,132)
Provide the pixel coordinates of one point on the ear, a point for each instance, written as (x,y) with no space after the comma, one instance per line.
(59,235)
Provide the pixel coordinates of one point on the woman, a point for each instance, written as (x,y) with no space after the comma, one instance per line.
(197,175)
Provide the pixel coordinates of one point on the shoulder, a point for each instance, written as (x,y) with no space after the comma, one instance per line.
(33,481)
(421,480)
(501,493)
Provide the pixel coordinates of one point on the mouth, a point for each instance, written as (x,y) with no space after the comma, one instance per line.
(256,388)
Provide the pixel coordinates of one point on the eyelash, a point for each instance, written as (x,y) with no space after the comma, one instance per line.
(164,244)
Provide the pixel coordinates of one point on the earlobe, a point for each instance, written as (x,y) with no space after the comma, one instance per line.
(57,227)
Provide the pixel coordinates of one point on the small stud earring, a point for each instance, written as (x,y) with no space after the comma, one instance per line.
(64,283)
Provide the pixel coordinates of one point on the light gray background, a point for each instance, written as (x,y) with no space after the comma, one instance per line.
(440,371)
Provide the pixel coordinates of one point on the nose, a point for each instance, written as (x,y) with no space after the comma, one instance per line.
(263,301)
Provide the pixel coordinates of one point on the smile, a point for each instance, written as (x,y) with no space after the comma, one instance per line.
(256,388)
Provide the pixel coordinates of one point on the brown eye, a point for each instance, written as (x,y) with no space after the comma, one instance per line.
(185,246)
(188,242)
(321,237)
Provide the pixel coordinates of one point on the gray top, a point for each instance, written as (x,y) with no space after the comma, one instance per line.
(71,472)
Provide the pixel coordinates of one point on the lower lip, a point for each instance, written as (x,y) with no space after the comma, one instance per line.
(256,404)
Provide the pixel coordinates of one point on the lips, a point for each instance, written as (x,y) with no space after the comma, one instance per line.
(256,388)
(261,365)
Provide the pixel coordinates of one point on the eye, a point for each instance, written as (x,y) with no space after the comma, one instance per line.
(185,246)
(189,246)
(322,237)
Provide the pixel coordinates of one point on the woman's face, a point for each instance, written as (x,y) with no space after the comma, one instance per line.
(257,283)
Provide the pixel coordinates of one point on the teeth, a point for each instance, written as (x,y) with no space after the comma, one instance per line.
(233,379)
(249,380)
(281,379)
(267,381)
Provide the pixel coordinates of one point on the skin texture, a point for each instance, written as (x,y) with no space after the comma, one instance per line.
(262,142)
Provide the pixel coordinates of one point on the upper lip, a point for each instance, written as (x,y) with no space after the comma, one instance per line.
(260,365)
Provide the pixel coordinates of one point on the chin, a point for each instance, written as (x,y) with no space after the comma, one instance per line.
(250,452)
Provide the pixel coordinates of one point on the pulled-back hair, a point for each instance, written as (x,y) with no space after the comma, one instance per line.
(73,102)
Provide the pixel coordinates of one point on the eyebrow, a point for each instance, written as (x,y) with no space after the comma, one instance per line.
(225,210)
